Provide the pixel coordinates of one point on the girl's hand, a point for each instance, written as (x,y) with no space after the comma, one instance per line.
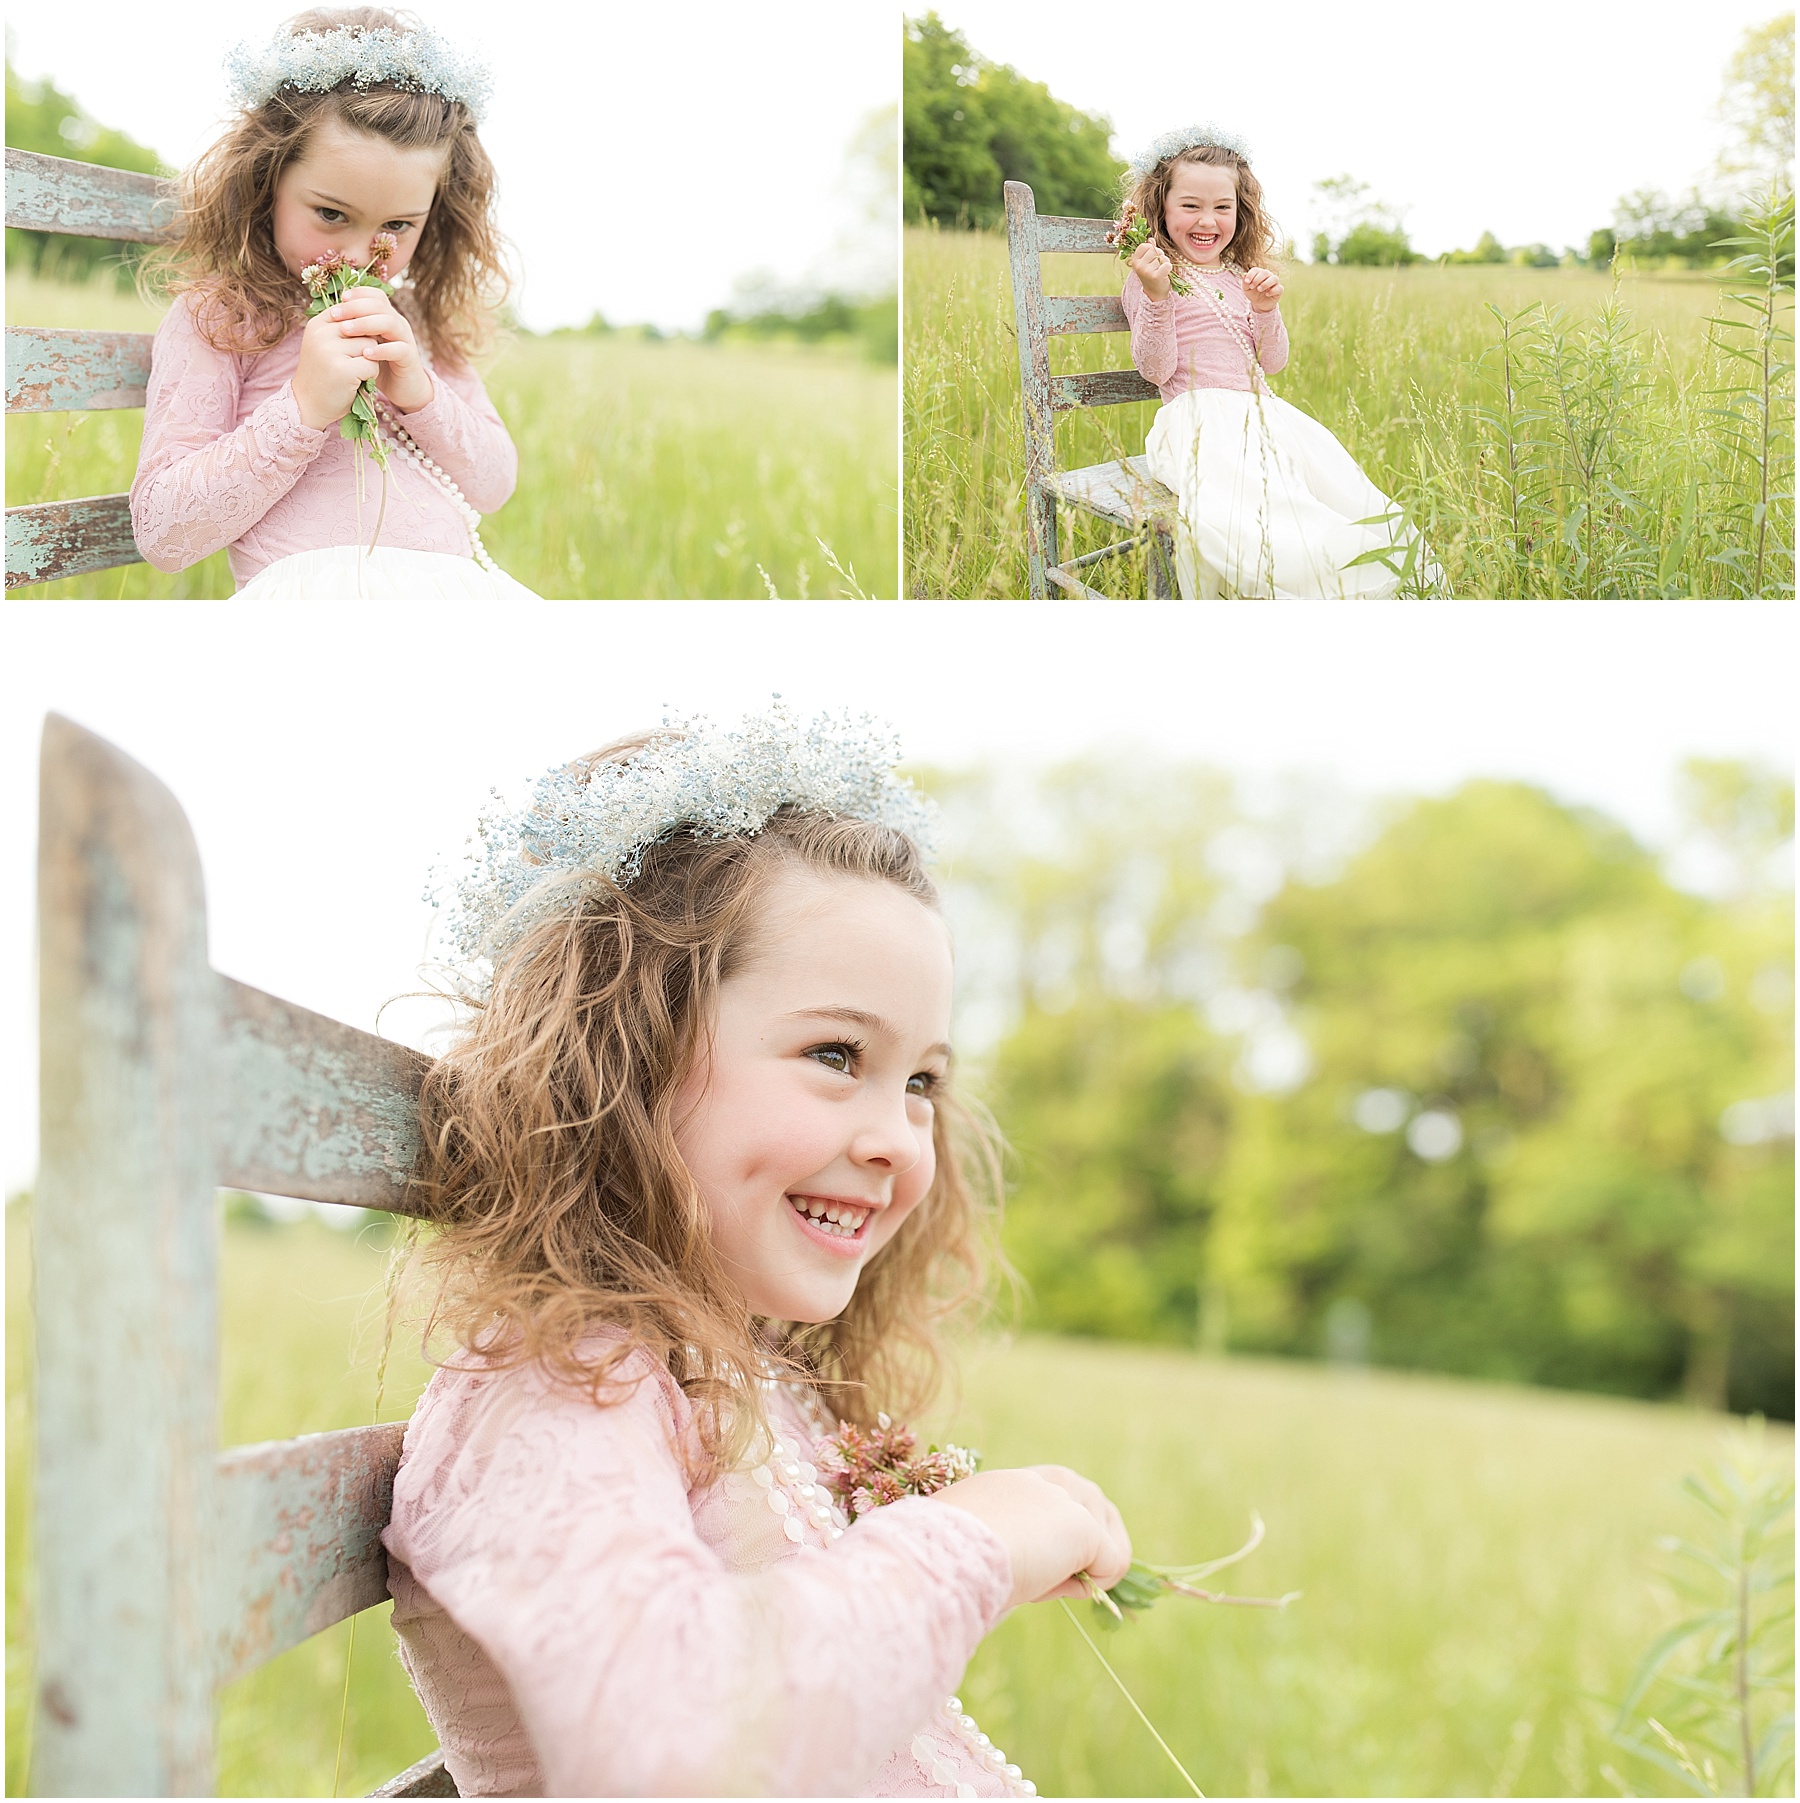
(1263,286)
(1053,1523)
(363,338)
(1152,268)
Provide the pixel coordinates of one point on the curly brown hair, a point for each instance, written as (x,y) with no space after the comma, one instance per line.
(551,1168)
(1252,244)
(224,255)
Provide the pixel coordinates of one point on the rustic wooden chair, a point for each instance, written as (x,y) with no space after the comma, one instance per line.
(68,372)
(166,1567)
(1123,491)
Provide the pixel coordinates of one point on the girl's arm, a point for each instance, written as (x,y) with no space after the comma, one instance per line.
(560,1537)
(1152,332)
(459,431)
(204,479)
(1271,340)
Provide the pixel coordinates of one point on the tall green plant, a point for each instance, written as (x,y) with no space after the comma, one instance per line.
(1755,415)
(1712,1704)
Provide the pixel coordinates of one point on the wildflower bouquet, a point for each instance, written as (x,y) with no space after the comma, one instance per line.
(1132,231)
(328,281)
(865,1468)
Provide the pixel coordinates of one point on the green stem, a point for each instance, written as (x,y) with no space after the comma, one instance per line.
(1126,1694)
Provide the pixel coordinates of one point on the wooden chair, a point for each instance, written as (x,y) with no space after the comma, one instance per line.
(1124,491)
(67,372)
(166,1567)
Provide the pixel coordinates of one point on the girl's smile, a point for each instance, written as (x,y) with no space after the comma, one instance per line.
(1201,214)
(807,1123)
(348,186)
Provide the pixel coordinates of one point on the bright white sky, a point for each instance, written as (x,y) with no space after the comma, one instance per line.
(649,157)
(327,765)
(1528,120)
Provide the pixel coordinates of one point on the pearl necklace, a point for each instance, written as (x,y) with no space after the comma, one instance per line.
(1215,298)
(790,1485)
(471,519)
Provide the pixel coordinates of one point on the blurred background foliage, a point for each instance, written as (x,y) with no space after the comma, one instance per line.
(1469,1084)
(42,118)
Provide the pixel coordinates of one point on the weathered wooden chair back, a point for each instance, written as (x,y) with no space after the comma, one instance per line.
(1123,492)
(166,1567)
(68,372)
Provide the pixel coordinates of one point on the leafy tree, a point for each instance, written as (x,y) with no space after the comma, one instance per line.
(1758,107)
(972,125)
(1656,227)
(1358,228)
(42,118)
(1542,1129)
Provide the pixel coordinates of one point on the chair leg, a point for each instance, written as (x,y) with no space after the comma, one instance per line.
(1162,565)
(1040,538)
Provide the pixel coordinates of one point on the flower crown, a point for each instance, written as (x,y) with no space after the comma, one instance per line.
(588,825)
(317,61)
(1172,143)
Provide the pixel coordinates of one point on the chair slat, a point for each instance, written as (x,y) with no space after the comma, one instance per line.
(426,1779)
(68,538)
(56,194)
(1105,389)
(314,1108)
(1084,313)
(1080,237)
(300,1540)
(75,372)
(1124,492)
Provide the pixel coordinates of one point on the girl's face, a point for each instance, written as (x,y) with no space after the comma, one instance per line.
(807,1125)
(345,188)
(1200,215)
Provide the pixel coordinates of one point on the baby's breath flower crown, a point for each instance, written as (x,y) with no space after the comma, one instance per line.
(1186,137)
(588,826)
(314,62)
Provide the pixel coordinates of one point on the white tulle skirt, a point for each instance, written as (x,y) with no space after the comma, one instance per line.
(348,573)
(1270,504)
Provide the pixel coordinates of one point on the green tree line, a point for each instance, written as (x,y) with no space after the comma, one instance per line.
(1492,1096)
(971,125)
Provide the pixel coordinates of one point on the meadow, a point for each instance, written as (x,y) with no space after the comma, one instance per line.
(1478,1561)
(648,468)
(1594,436)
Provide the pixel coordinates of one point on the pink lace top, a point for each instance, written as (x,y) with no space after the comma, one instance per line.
(1181,342)
(578,1621)
(227,460)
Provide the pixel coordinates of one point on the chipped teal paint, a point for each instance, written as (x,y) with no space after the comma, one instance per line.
(68,538)
(1060,235)
(311,1107)
(164,1566)
(75,372)
(1084,313)
(125,1278)
(300,1539)
(56,194)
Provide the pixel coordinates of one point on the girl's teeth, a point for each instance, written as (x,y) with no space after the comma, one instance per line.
(832,1217)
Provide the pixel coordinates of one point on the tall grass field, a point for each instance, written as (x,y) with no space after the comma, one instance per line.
(1478,1563)
(1556,432)
(647,469)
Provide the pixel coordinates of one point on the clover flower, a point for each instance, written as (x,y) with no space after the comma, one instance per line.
(328,279)
(1132,231)
(867,1468)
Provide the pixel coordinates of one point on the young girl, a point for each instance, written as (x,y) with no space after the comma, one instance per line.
(1271,504)
(356,127)
(704,1195)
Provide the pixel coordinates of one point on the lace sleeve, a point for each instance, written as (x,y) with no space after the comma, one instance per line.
(459,429)
(204,478)
(1152,331)
(560,1537)
(1271,341)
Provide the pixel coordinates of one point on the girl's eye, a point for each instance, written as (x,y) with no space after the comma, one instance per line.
(922,1083)
(837,1057)
(397,226)
(330,215)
